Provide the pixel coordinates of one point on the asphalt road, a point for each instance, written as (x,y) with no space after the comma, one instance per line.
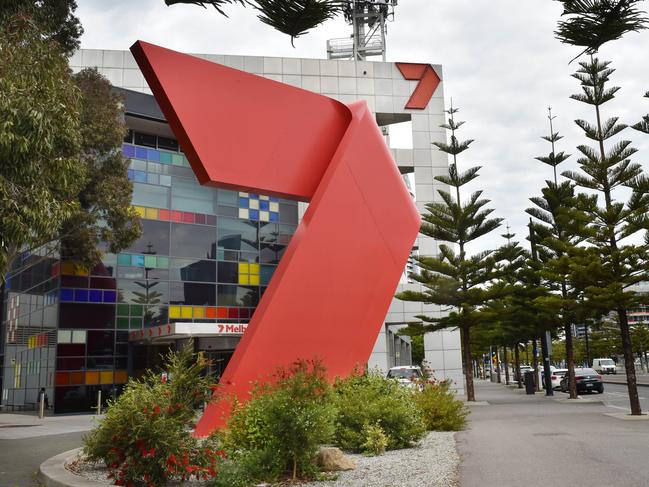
(537,441)
(20,458)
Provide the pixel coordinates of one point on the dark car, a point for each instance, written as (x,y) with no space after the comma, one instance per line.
(587,381)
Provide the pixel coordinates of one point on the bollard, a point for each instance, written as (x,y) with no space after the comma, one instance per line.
(99,402)
(41,406)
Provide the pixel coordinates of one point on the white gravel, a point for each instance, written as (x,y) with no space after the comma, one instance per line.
(434,462)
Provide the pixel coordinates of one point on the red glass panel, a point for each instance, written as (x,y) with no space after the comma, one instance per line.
(164,215)
(62,378)
(210,312)
(221,312)
(176,216)
(233,312)
(188,217)
(200,218)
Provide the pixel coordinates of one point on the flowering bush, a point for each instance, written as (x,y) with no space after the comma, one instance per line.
(278,431)
(145,436)
(370,399)
(440,410)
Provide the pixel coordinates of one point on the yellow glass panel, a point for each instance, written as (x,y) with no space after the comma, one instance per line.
(81,271)
(199,312)
(140,210)
(67,268)
(106,377)
(254,268)
(274,206)
(254,280)
(92,377)
(151,213)
(244,213)
(254,204)
(174,311)
(244,279)
(264,216)
(244,268)
(186,312)
(263,197)
(121,377)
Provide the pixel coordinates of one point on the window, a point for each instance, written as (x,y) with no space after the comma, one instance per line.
(76,315)
(188,195)
(228,198)
(268,232)
(238,296)
(271,253)
(238,234)
(146,140)
(168,144)
(288,213)
(154,239)
(192,270)
(190,293)
(228,272)
(150,195)
(193,241)
(101,342)
(142,291)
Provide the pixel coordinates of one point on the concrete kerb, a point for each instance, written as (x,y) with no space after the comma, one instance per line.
(52,472)
(580,400)
(628,417)
(476,403)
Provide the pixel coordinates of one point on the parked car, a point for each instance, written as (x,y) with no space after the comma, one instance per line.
(406,375)
(604,366)
(587,381)
(557,375)
(523,369)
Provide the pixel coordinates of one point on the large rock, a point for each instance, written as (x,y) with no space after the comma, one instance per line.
(331,459)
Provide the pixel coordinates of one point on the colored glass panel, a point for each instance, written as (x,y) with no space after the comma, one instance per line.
(122,310)
(233,312)
(92,378)
(77,378)
(152,155)
(151,213)
(150,261)
(186,312)
(67,295)
(164,215)
(122,323)
(254,215)
(244,279)
(264,205)
(95,296)
(176,159)
(135,323)
(221,312)
(174,311)
(253,204)
(139,210)
(62,378)
(121,377)
(67,268)
(140,152)
(199,312)
(163,262)
(210,312)
(254,280)
(165,157)
(176,216)
(124,259)
(199,218)
(128,150)
(139,176)
(110,296)
(137,310)
(106,377)
(137,260)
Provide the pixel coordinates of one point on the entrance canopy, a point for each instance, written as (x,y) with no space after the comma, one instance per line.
(179,331)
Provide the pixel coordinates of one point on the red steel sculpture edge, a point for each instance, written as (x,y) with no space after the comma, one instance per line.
(332,289)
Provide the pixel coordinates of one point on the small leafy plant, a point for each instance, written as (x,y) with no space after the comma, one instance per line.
(439,409)
(375,440)
(145,437)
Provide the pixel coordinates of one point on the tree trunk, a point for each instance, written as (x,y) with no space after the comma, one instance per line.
(572,385)
(629,364)
(466,344)
(517,366)
(506,366)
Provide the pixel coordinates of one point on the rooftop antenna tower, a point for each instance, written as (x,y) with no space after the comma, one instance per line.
(368,19)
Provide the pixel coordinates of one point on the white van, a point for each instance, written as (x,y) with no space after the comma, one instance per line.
(604,366)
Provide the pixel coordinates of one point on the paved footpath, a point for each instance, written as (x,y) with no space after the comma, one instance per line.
(537,441)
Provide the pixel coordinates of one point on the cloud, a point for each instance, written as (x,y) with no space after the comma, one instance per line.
(501,63)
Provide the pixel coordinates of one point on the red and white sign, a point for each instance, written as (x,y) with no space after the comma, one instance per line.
(174,331)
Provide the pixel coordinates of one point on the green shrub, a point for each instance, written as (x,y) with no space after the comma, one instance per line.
(283,423)
(375,440)
(145,436)
(371,399)
(439,408)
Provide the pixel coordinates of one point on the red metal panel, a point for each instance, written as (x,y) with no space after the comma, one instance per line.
(333,286)
(428,83)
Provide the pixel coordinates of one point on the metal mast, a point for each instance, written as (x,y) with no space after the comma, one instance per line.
(368,20)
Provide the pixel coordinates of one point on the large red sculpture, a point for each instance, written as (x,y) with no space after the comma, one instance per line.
(332,289)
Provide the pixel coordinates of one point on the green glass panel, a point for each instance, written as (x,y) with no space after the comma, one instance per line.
(122,323)
(122,310)
(177,159)
(149,261)
(165,157)
(185,161)
(137,310)
(124,259)
(163,262)
(136,323)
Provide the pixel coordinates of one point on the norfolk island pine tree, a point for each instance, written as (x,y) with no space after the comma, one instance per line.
(454,279)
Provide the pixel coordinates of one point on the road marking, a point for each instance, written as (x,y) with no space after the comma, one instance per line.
(620,394)
(617,407)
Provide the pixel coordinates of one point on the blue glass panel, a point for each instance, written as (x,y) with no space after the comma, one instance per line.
(254,215)
(274,216)
(153,155)
(67,295)
(81,295)
(254,196)
(131,174)
(140,176)
(243,202)
(128,150)
(110,296)
(274,198)
(153,178)
(264,205)
(94,296)
(140,152)
(137,260)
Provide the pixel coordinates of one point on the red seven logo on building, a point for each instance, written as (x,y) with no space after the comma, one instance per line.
(428,83)
(247,133)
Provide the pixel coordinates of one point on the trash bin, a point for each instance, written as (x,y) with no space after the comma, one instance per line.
(530,388)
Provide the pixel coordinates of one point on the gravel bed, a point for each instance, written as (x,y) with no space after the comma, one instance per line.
(434,462)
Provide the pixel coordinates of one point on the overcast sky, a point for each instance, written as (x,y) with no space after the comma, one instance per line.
(502,67)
